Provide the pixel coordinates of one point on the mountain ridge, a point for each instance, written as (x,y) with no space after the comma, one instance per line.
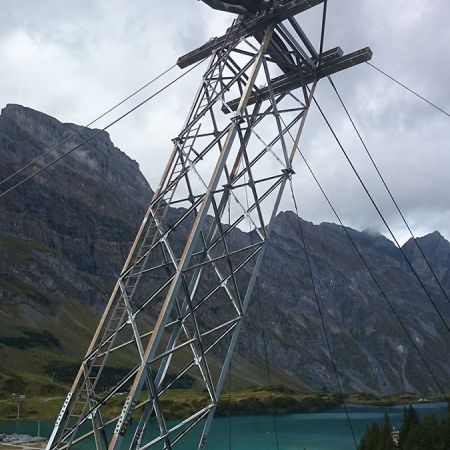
(65,234)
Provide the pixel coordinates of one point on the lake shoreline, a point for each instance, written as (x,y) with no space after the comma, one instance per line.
(254,401)
(326,430)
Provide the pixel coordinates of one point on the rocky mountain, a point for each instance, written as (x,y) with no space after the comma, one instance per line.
(65,234)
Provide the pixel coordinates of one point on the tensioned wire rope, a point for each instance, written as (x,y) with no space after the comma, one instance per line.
(375,205)
(58,145)
(114,107)
(429,102)
(321,314)
(159,91)
(313,284)
(388,190)
(83,128)
(315,294)
(261,322)
(302,236)
(412,91)
(370,271)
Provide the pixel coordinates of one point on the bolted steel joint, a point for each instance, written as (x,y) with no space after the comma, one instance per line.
(237,119)
(288,172)
(177,140)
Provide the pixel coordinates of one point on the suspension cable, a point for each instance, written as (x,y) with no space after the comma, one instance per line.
(322,319)
(370,271)
(409,89)
(266,356)
(389,191)
(430,298)
(100,131)
(80,130)
(263,333)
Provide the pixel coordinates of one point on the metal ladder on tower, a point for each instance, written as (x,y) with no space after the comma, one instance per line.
(85,399)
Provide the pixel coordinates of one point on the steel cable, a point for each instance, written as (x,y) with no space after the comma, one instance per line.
(430,298)
(263,333)
(389,191)
(100,131)
(59,144)
(322,319)
(370,271)
(409,89)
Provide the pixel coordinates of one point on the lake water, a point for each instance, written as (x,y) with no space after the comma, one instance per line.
(326,430)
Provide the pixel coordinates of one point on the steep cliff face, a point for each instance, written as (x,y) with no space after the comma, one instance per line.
(85,210)
(65,234)
(63,237)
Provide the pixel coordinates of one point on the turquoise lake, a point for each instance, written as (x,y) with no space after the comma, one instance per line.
(326,430)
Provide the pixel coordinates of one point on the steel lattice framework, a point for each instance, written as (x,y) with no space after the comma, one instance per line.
(179,303)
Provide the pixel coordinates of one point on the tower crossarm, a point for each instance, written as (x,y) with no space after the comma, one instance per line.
(287,83)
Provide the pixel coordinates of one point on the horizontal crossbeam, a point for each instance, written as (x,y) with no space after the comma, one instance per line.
(287,83)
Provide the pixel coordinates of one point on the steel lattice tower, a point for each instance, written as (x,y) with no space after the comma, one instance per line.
(178,305)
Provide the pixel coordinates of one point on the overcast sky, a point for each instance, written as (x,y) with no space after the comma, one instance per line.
(73,60)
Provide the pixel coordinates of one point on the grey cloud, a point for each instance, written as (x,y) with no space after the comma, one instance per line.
(75,59)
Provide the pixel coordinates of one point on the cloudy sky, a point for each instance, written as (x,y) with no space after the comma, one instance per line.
(73,60)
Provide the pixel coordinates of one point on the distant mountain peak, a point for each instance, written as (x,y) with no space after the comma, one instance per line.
(429,240)
(435,236)
(15,112)
(436,249)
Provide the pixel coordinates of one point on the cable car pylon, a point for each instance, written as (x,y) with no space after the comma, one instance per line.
(177,308)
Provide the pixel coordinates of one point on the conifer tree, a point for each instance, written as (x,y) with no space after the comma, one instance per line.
(414,439)
(370,438)
(385,441)
(410,420)
(415,434)
(445,431)
(430,438)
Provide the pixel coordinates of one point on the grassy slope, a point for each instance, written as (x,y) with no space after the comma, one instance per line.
(22,370)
